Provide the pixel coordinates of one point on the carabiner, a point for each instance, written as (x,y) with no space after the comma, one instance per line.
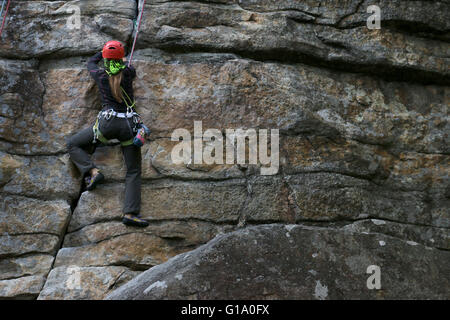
(108,114)
(129,111)
(136,118)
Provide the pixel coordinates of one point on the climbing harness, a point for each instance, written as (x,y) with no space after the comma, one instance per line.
(139,130)
(4,17)
(130,103)
(137,31)
(107,115)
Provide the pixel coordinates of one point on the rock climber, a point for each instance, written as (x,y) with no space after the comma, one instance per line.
(117,120)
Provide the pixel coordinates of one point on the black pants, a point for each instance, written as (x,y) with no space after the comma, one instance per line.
(80,148)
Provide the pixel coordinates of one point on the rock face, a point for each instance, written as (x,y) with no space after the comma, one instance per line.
(296,262)
(363,150)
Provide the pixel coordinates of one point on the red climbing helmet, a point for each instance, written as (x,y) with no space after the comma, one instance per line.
(113,50)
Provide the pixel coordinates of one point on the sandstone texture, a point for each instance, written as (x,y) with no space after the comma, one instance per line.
(364,158)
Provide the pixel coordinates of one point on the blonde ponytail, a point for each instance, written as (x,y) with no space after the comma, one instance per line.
(114,83)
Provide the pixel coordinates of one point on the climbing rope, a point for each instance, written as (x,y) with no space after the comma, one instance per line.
(137,31)
(4,17)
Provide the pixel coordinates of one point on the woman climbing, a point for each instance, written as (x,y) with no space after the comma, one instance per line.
(117,120)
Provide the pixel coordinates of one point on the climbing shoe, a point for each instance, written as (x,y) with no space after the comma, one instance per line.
(133,220)
(94,181)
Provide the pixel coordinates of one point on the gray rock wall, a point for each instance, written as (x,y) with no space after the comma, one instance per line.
(295,262)
(364,146)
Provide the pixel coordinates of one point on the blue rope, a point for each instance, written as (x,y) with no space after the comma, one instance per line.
(3,5)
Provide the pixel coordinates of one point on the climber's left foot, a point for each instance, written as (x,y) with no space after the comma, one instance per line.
(95,179)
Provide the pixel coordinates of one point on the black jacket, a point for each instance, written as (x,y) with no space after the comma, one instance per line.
(101,78)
